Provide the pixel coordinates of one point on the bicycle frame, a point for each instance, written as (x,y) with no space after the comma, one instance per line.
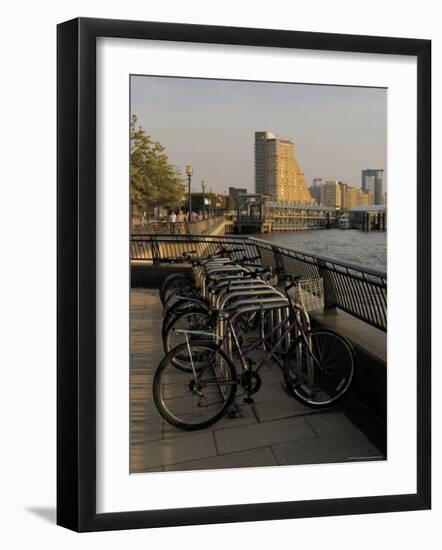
(291,323)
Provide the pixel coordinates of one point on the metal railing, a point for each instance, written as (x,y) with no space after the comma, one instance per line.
(165,248)
(357,290)
(179,228)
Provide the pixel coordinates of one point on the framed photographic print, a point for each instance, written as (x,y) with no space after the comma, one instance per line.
(230,203)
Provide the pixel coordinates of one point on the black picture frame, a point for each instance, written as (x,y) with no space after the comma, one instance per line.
(76,273)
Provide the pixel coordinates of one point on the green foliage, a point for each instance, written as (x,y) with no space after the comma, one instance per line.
(153,180)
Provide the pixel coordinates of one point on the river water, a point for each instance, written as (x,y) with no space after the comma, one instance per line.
(364,248)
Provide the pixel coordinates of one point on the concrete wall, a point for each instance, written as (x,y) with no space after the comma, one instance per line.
(370,384)
(146,275)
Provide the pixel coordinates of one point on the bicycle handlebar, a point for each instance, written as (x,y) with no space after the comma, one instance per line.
(291,281)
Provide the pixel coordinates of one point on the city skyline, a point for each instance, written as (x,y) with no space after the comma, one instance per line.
(211,124)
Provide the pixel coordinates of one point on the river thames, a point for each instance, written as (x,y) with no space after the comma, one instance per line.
(364,248)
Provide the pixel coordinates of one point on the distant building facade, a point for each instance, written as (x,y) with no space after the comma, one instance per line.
(351,197)
(234,193)
(277,173)
(373,181)
(317,190)
(332,194)
(213,202)
(365,198)
(339,195)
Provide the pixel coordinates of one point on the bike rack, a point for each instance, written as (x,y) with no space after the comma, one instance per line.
(228,285)
(249,305)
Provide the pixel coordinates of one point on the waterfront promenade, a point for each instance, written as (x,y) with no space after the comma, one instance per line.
(275,430)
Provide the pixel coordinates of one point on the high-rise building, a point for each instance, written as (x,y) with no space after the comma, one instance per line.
(317,190)
(332,194)
(373,181)
(344,190)
(277,173)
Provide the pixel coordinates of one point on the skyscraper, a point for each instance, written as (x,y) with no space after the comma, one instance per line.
(373,181)
(317,190)
(277,172)
(332,194)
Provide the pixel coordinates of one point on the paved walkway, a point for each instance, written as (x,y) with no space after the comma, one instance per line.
(275,430)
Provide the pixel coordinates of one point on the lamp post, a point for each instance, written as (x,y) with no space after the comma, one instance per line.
(203,187)
(189,172)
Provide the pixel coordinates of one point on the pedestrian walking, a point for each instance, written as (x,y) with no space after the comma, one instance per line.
(172,221)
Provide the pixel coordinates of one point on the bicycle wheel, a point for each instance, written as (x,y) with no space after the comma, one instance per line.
(319,368)
(184,289)
(173,281)
(180,307)
(195,399)
(194,320)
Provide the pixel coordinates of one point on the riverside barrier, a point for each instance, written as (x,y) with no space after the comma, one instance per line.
(358,290)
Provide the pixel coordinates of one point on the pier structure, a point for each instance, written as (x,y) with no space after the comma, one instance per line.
(259,214)
(368,218)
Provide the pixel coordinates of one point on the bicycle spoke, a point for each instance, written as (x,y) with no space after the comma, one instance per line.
(191,399)
(319,373)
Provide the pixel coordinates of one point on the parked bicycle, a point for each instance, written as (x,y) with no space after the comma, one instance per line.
(197,381)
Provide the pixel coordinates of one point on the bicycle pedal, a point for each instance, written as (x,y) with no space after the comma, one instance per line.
(249,400)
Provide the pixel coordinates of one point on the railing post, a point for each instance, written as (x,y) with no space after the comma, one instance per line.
(279,264)
(330,298)
(155,250)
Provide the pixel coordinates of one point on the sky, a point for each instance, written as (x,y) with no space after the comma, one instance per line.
(338,131)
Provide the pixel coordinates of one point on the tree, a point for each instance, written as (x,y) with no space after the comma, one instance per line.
(153,180)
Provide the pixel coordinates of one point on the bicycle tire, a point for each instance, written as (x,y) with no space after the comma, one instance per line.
(196,319)
(184,390)
(170,282)
(310,374)
(180,307)
(183,289)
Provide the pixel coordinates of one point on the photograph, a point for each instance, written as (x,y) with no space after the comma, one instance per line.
(198,339)
(258,274)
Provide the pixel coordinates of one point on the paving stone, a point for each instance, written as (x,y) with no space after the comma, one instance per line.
(171,451)
(270,392)
(140,434)
(339,447)
(282,408)
(244,459)
(246,417)
(331,422)
(146,424)
(274,418)
(146,470)
(262,435)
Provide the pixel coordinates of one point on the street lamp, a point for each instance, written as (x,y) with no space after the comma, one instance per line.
(203,187)
(189,172)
